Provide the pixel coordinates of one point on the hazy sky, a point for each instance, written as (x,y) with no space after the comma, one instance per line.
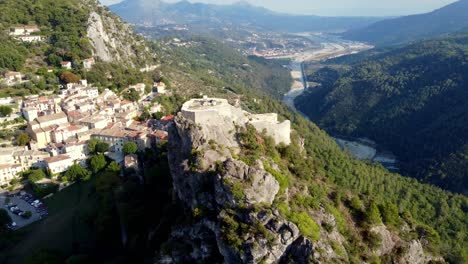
(339,7)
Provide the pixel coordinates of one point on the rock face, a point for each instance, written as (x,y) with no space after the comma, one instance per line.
(414,254)
(230,217)
(388,242)
(230,192)
(113,40)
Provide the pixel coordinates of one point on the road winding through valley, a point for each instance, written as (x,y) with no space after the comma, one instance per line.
(332,47)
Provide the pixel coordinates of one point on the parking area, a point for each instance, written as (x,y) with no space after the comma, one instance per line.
(18,207)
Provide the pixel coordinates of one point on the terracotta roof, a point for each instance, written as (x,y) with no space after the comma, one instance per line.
(168,118)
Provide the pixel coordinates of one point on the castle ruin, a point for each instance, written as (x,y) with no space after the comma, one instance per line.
(219,119)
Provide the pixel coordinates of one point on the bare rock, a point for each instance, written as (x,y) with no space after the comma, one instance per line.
(387,244)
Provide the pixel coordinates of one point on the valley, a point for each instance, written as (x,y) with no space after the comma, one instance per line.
(333,47)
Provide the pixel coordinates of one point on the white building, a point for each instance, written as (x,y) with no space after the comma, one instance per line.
(24,30)
(88,63)
(59,163)
(13,77)
(30,158)
(97,122)
(29,113)
(160,87)
(8,172)
(66,64)
(76,150)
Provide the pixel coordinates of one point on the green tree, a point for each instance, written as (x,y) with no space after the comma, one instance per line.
(389,212)
(77,173)
(6,110)
(113,167)
(92,145)
(36,175)
(373,215)
(132,95)
(5,219)
(157,115)
(130,148)
(97,163)
(27,214)
(101,147)
(23,139)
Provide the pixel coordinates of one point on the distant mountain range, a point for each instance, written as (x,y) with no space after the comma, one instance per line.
(154,13)
(449,19)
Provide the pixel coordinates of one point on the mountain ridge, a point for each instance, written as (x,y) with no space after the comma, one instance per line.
(445,20)
(184,12)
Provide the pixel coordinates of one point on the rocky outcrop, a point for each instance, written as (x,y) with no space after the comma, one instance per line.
(231,217)
(414,254)
(234,197)
(258,185)
(114,41)
(388,242)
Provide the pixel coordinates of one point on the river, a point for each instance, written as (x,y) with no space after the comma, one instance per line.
(332,47)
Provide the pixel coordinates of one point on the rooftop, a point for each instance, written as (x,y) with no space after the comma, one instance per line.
(52,117)
(57,158)
(204,104)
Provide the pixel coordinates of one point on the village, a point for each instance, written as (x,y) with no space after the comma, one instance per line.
(59,126)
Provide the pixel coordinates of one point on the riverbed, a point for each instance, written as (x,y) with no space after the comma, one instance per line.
(332,47)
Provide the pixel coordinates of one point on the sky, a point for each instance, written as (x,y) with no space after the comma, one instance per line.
(338,7)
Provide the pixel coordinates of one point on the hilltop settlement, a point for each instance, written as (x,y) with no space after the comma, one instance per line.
(59,126)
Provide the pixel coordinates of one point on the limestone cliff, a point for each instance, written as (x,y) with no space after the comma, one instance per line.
(113,40)
(233,215)
(232,200)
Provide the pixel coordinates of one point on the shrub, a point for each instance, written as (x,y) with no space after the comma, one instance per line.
(374,240)
(306,225)
(27,214)
(35,175)
(282,180)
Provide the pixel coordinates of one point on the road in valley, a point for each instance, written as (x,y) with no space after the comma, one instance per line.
(332,47)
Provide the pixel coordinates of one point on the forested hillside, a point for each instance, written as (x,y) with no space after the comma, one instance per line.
(411,100)
(212,61)
(449,19)
(71,31)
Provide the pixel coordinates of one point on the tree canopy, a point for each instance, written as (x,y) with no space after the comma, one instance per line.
(77,173)
(130,148)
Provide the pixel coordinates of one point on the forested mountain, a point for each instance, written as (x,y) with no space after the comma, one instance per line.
(412,100)
(71,31)
(75,30)
(239,14)
(211,61)
(446,20)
